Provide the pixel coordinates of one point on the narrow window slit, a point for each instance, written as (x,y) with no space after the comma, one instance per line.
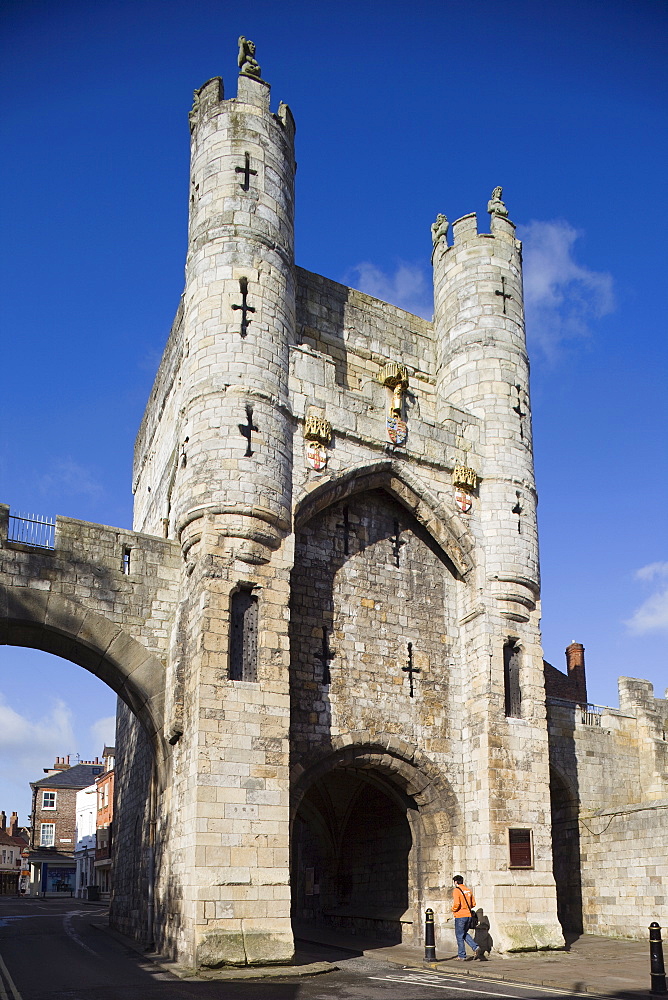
(243,636)
(511,679)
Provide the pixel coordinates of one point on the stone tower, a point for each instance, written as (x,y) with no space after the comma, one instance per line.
(223,464)
(483,369)
(354,702)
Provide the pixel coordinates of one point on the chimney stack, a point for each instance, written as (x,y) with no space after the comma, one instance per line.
(3,820)
(575,664)
(14,825)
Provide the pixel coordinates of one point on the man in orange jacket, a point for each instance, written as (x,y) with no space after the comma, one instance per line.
(463,902)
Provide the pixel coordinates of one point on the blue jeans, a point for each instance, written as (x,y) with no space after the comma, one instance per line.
(461,927)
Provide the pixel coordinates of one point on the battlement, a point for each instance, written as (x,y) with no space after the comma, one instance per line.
(465,230)
(251,92)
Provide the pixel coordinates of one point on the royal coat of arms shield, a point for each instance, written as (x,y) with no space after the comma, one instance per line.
(463,500)
(316,456)
(397,430)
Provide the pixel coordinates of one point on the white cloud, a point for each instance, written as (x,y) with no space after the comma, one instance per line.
(20,736)
(27,746)
(652,615)
(103,732)
(67,477)
(406,286)
(561,297)
(651,571)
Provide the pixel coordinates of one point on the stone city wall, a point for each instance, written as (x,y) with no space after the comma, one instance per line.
(610,769)
(624,855)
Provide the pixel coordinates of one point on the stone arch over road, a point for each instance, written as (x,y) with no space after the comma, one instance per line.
(399,763)
(372,826)
(100,597)
(58,625)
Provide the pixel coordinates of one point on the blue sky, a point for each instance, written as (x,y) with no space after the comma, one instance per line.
(403,110)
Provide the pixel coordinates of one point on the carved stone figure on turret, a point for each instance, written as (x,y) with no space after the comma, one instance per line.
(439,229)
(248,64)
(495,205)
(439,233)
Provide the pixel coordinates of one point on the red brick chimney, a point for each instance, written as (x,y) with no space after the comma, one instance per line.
(13,830)
(575,664)
(3,820)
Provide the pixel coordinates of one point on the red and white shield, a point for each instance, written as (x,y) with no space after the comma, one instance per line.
(397,430)
(463,500)
(316,456)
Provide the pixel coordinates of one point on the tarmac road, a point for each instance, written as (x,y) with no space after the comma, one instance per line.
(52,950)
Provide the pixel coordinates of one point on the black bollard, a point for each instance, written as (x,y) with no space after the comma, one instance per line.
(657,969)
(429,941)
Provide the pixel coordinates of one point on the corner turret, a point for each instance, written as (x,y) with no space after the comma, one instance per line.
(482,367)
(239,316)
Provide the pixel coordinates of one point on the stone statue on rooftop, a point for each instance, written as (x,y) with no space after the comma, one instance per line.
(495,206)
(248,64)
(439,230)
(439,234)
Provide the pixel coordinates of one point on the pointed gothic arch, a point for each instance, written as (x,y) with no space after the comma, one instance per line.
(453,538)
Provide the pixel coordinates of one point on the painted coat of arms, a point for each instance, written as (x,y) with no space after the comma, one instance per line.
(397,429)
(463,500)
(316,456)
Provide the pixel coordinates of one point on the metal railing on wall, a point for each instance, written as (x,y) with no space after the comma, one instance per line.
(36,530)
(591,715)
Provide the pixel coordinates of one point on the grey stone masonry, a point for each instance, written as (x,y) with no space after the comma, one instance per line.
(610,821)
(324,628)
(77,601)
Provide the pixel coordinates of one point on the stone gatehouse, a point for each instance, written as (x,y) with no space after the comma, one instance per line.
(324,627)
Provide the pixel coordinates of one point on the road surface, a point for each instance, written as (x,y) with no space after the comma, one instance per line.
(52,950)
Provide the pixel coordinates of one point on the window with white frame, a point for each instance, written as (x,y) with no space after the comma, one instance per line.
(48,800)
(47,834)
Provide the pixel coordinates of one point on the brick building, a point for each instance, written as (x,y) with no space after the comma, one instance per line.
(104,824)
(53,821)
(13,843)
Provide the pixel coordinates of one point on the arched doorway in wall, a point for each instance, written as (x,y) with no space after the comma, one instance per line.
(372,833)
(354,864)
(566,860)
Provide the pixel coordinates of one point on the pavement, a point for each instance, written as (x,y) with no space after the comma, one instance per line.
(608,967)
(589,964)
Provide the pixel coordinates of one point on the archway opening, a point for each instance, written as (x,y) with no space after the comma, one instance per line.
(58,734)
(64,729)
(566,862)
(353,856)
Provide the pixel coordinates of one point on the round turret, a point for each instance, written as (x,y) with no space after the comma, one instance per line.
(482,368)
(239,316)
